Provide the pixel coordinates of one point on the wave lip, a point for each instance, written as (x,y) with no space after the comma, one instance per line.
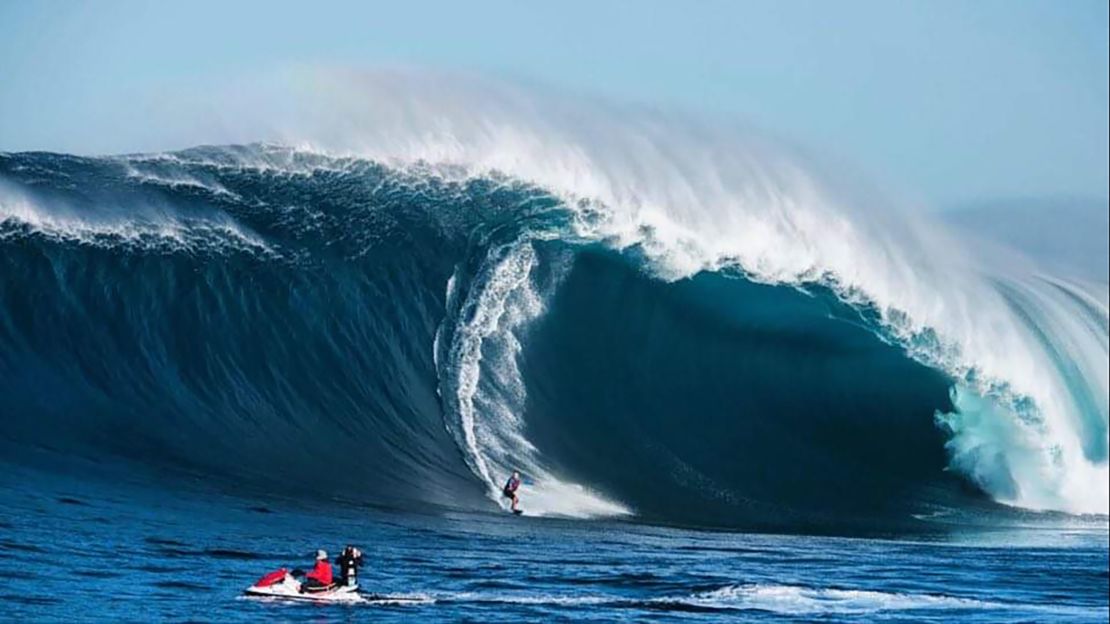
(142,227)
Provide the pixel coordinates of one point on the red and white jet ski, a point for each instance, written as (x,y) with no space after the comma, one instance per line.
(282,584)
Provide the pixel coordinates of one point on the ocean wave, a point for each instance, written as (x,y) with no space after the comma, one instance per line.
(760,357)
(695,196)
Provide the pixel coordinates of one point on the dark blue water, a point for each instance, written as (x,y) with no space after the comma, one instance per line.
(243,312)
(83,550)
(214,362)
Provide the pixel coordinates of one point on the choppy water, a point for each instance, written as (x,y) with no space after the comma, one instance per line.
(88,551)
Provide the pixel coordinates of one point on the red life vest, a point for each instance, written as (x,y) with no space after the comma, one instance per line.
(321,573)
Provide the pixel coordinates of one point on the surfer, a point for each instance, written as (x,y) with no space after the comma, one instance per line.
(510,489)
(320,578)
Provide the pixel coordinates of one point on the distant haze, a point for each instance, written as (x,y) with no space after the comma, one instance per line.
(1067,233)
(947,100)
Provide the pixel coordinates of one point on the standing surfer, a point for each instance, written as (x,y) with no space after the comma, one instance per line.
(510,489)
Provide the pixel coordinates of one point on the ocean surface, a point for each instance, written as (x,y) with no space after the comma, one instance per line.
(768,402)
(94,552)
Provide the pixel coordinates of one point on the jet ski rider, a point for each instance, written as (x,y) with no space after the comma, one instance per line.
(320,578)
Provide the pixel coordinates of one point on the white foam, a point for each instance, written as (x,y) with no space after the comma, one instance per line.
(140,226)
(789,600)
(137,171)
(798,600)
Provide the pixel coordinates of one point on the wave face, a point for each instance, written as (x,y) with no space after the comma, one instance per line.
(410,333)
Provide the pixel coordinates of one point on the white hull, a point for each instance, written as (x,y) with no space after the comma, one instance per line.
(290,589)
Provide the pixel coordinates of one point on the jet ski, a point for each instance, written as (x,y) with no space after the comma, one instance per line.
(283,585)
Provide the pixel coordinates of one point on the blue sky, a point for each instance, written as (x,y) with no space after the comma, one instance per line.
(950,100)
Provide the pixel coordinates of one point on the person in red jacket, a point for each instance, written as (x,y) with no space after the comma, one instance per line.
(320,578)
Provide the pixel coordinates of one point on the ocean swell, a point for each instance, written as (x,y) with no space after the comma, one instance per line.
(393,330)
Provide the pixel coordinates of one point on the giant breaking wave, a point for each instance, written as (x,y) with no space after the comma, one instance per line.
(682,332)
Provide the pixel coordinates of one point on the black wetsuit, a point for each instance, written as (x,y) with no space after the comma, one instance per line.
(510,488)
(348,567)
